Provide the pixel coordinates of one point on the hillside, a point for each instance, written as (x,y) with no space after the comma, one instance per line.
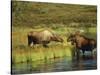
(35,14)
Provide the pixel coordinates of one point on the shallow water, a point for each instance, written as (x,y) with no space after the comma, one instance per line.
(86,62)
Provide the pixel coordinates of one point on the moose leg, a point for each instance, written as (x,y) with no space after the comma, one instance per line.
(73,52)
(29,40)
(83,51)
(77,54)
(45,44)
(92,52)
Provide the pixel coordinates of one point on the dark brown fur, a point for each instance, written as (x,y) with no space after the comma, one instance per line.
(82,42)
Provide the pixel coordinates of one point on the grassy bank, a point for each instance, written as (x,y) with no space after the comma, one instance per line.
(22,53)
(34,54)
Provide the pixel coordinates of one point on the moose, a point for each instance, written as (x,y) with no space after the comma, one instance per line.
(82,42)
(42,37)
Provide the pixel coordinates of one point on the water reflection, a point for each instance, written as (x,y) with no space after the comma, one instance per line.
(55,65)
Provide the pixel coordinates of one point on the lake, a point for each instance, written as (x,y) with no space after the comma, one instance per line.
(86,62)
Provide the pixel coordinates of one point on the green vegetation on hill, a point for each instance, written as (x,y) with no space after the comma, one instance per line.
(36,14)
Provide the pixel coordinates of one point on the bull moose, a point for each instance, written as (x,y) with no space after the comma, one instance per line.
(82,42)
(43,37)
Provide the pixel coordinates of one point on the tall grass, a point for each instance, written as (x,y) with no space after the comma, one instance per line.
(22,53)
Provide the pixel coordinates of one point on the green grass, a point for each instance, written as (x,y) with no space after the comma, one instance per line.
(36,14)
(22,53)
(40,54)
